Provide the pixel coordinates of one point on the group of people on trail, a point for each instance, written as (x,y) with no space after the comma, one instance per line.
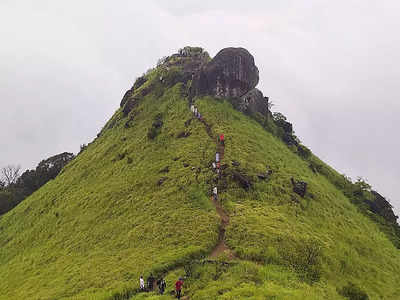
(161,284)
(217,164)
(149,286)
(221,145)
(196,112)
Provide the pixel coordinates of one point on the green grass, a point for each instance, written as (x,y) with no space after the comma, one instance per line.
(104,221)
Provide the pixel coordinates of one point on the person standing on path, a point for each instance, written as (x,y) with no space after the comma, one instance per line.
(150,282)
(178,288)
(141,283)
(217,157)
(162,285)
(192,108)
(215,193)
(195,111)
(222,139)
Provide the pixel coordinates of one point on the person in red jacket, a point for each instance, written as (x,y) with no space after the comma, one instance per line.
(222,139)
(178,288)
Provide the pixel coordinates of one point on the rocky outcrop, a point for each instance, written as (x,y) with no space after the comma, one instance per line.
(230,74)
(299,187)
(252,102)
(130,104)
(380,206)
(243,180)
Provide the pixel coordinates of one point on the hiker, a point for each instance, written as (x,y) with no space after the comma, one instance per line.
(222,139)
(199,116)
(195,111)
(178,288)
(141,283)
(150,282)
(215,192)
(192,108)
(218,167)
(217,157)
(161,285)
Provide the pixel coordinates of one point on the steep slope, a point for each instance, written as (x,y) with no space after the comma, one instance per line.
(137,200)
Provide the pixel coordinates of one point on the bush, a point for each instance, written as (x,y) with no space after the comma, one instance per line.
(7,202)
(353,292)
(303,151)
(152,133)
(305,259)
(155,128)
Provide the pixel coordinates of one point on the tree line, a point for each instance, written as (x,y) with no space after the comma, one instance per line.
(15,187)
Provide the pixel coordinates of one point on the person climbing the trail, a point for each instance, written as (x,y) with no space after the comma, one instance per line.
(218,168)
(150,282)
(215,193)
(141,283)
(195,111)
(161,285)
(178,288)
(217,157)
(222,139)
(192,108)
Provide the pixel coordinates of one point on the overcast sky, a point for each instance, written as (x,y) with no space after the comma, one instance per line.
(332,67)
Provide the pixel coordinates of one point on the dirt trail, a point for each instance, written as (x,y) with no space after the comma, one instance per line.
(221,247)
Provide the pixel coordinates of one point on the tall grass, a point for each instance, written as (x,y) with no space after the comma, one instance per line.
(107,219)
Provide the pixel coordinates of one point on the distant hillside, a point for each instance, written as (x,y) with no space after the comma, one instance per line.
(137,200)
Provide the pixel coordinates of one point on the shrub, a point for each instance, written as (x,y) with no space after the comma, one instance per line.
(353,292)
(303,151)
(305,259)
(316,167)
(152,133)
(155,128)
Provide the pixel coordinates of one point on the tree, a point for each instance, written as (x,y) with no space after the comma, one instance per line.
(278,116)
(362,184)
(9,174)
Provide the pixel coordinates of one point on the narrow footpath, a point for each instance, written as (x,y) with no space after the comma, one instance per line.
(221,247)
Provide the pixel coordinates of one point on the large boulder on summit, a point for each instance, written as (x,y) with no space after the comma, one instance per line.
(230,74)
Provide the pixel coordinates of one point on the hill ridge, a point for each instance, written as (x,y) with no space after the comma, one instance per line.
(136,201)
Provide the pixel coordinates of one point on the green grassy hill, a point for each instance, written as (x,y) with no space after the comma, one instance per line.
(137,200)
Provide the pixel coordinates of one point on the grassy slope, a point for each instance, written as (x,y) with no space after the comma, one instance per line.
(114,222)
(104,221)
(266,225)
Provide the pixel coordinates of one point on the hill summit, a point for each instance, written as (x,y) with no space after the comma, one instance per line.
(194,177)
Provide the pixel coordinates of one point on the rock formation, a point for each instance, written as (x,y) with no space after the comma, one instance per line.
(231,73)
(252,102)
